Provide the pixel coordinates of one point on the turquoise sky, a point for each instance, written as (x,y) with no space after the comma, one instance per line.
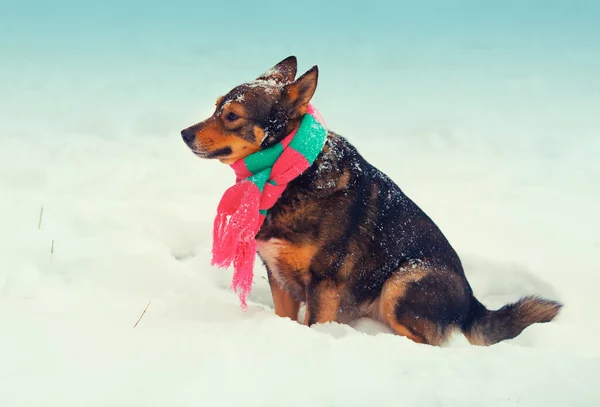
(113,60)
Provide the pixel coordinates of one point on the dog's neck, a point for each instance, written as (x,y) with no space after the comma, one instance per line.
(280,124)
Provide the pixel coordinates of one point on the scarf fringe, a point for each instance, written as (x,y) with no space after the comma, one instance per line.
(234,232)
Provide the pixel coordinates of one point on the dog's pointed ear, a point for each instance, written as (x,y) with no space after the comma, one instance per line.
(298,94)
(283,72)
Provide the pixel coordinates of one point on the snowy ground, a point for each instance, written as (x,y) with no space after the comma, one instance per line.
(495,137)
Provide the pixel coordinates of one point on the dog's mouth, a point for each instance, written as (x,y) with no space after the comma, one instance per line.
(200,154)
(220,153)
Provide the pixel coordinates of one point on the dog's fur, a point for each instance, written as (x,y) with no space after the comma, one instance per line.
(343,238)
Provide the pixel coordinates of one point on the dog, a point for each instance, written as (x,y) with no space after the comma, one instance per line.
(343,238)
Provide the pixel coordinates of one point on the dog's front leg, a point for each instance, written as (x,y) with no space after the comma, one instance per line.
(285,305)
(322,302)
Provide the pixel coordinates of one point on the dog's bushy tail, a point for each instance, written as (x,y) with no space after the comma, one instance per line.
(487,327)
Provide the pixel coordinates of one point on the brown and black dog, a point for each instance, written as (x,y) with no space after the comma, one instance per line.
(343,238)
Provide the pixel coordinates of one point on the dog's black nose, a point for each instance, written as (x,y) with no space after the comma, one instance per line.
(188,135)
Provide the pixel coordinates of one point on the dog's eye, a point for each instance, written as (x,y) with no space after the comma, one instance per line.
(232,117)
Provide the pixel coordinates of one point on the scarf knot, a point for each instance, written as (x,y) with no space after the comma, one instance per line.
(261,178)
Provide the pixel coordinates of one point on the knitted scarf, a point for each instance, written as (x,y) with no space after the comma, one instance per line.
(261,178)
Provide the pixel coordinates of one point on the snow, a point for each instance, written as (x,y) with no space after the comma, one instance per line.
(269,85)
(496,140)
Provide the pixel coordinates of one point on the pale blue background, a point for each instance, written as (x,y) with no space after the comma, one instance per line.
(154,66)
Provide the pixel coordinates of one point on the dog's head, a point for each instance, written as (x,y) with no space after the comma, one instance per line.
(254,115)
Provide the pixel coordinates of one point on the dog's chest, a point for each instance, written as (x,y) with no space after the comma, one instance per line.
(288,263)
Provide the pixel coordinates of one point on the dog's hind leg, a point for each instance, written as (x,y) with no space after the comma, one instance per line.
(424,304)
